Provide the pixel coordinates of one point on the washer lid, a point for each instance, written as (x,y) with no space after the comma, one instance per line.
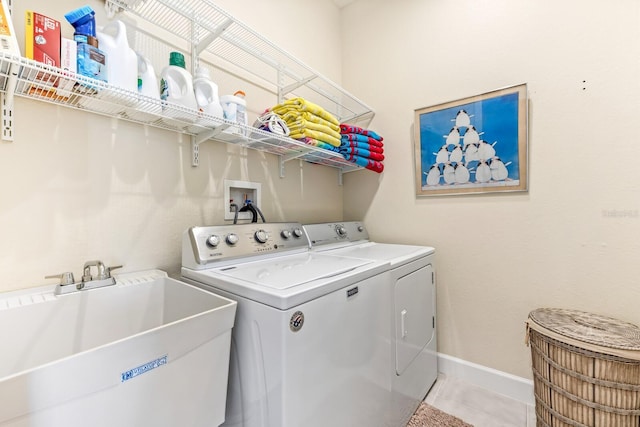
(588,327)
(290,271)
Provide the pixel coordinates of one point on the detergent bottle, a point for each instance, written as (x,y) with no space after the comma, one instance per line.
(147,80)
(148,106)
(122,62)
(176,86)
(206,93)
(235,110)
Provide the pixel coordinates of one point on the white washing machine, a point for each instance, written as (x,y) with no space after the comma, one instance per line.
(310,341)
(411,289)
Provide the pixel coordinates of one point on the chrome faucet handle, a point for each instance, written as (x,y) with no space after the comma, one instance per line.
(66,278)
(102,271)
(86,271)
(108,272)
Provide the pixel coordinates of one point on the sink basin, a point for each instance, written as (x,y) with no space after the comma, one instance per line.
(148,351)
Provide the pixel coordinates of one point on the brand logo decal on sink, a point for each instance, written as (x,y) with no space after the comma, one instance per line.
(142,369)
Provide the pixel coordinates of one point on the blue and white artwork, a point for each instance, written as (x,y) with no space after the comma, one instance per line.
(470,145)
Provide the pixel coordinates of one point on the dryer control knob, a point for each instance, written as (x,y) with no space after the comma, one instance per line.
(213,241)
(360,228)
(297,232)
(285,234)
(232,239)
(341,230)
(261,236)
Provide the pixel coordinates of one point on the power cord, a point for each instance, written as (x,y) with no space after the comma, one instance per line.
(272,122)
(260,213)
(255,211)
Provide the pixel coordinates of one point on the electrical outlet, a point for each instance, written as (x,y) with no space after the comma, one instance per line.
(237,192)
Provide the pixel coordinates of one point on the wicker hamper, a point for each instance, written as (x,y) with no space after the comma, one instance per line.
(586,369)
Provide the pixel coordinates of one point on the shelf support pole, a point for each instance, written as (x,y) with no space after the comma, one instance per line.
(194,48)
(205,42)
(7,119)
(210,134)
(7,103)
(293,86)
(281,92)
(195,152)
(6,99)
(196,140)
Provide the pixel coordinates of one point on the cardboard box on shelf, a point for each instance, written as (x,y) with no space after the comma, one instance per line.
(8,41)
(42,38)
(69,65)
(8,46)
(42,44)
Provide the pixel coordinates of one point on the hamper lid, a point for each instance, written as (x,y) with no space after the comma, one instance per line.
(588,327)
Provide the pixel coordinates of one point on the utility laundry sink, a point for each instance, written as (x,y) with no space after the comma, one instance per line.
(147,351)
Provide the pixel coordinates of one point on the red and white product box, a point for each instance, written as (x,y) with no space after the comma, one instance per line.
(42,38)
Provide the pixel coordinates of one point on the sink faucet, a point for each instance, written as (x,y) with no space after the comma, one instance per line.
(102,273)
(102,278)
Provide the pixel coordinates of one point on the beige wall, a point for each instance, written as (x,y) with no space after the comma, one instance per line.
(572,241)
(77,186)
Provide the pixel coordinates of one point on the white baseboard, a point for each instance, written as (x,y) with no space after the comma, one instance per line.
(512,386)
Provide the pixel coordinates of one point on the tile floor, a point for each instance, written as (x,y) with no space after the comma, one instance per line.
(478,406)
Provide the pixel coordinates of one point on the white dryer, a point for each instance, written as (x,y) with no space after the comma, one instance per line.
(411,290)
(310,341)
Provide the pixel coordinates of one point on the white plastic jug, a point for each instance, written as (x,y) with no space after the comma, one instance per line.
(206,93)
(148,106)
(122,62)
(147,80)
(176,87)
(235,110)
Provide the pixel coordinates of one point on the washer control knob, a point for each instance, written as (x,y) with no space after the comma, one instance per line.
(341,230)
(297,232)
(360,228)
(261,236)
(213,241)
(232,239)
(285,234)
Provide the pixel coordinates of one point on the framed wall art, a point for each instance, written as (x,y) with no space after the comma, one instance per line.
(473,145)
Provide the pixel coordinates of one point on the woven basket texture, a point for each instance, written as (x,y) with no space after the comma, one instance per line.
(579,387)
(589,328)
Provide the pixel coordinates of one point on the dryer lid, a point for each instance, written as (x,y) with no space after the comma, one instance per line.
(394,253)
(290,271)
